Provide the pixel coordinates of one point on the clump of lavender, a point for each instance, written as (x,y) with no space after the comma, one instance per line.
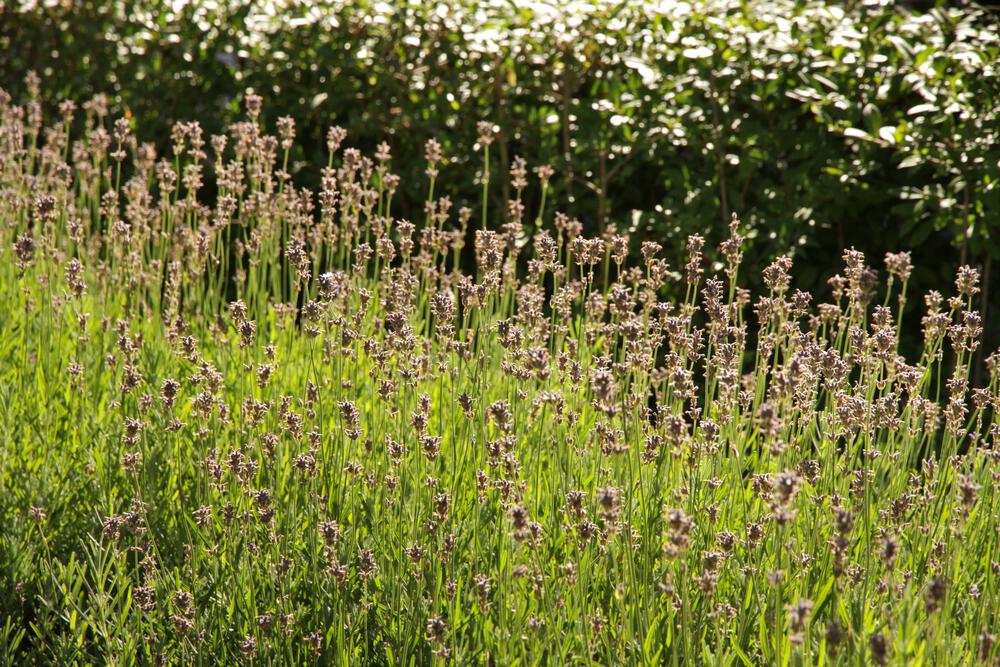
(287,426)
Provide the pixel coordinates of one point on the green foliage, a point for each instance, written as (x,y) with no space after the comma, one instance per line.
(825,125)
(291,429)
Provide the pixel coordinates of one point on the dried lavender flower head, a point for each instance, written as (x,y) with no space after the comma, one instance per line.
(486,132)
(967,281)
(253,104)
(334,138)
(899,265)
(24,250)
(544,173)
(286,131)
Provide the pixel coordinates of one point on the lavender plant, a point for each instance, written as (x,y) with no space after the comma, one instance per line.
(288,427)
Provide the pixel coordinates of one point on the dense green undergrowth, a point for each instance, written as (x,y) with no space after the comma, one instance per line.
(290,428)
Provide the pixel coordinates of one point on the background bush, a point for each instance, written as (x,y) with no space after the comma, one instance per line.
(824,126)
